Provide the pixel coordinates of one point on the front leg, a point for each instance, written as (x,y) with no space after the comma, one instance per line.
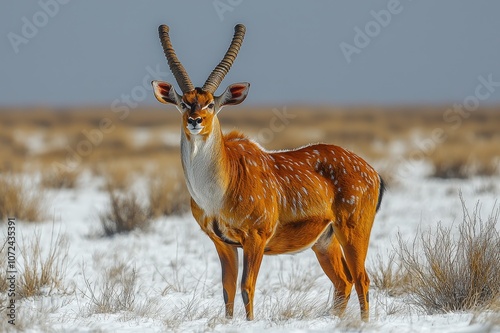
(228,256)
(253,252)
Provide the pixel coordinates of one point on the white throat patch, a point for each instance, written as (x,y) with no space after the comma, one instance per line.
(200,162)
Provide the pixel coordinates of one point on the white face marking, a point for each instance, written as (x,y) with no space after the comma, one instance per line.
(209,104)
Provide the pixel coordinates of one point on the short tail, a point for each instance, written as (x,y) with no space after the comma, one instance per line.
(381,191)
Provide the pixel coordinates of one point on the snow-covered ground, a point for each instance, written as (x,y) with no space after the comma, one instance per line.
(178,274)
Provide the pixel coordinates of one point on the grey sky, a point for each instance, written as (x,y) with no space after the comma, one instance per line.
(93,52)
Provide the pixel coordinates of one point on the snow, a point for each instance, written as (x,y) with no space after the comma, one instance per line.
(178,286)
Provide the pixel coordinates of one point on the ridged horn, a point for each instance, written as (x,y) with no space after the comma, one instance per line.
(175,65)
(225,64)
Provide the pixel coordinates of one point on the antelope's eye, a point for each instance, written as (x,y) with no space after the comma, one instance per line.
(211,105)
(183,105)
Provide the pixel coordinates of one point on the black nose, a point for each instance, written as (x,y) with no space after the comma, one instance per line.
(194,122)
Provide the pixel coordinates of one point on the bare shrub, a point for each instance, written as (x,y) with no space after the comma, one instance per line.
(42,274)
(388,275)
(454,273)
(116,290)
(18,200)
(168,195)
(126,213)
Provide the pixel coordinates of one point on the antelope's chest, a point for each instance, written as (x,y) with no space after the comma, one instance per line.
(202,175)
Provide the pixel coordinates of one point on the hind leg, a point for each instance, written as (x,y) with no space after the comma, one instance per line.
(354,243)
(330,257)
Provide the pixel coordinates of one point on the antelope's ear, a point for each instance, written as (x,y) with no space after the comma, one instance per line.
(165,93)
(234,94)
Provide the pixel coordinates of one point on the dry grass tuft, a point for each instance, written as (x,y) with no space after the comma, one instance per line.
(42,274)
(389,276)
(168,195)
(118,176)
(126,213)
(461,159)
(445,167)
(454,273)
(295,305)
(13,152)
(489,315)
(351,322)
(59,179)
(18,200)
(33,316)
(295,279)
(4,285)
(192,309)
(116,291)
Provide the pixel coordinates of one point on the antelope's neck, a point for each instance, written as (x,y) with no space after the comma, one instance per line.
(204,164)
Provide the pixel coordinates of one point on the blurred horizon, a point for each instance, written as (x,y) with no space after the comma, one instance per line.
(64,54)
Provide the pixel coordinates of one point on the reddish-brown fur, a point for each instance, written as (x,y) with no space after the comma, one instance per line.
(319,196)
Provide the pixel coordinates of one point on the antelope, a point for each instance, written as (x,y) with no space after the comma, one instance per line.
(319,196)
